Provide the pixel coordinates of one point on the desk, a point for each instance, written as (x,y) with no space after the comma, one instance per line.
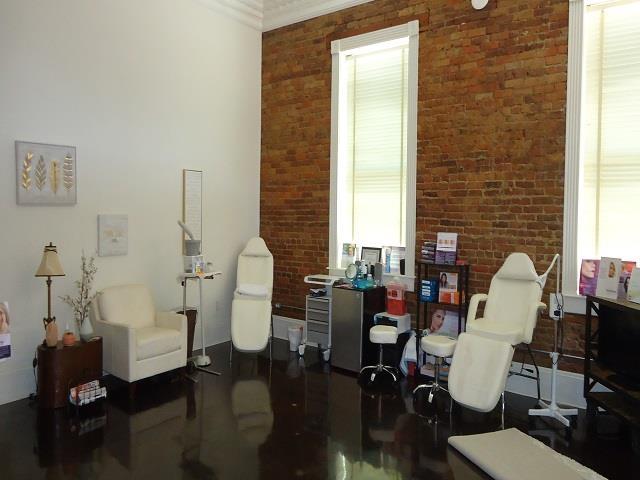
(60,367)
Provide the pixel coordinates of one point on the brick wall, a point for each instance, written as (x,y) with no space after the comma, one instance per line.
(491,131)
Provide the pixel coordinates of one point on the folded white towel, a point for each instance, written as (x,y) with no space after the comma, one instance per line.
(253,290)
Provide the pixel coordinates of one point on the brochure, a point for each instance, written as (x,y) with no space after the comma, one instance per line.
(588,277)
(446,248)
(5,332)
(633,294)
(608,277)
(448,288)
(625,278)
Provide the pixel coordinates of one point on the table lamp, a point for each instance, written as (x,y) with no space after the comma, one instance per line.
(49,267)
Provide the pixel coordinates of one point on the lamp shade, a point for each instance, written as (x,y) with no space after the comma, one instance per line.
(50,265)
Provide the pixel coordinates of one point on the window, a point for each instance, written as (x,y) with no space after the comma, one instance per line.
(373,145)
(602,186)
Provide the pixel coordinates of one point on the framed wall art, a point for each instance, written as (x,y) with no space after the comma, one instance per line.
(45,174)
(113,235)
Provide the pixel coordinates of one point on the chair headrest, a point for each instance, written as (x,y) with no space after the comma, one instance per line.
(256,248)
(518,266)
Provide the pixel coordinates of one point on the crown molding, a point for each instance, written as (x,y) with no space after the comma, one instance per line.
(248,12)
(279,13)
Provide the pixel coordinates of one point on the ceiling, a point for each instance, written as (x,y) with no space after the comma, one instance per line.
(268,15)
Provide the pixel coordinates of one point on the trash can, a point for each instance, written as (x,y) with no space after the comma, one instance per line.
(295,338)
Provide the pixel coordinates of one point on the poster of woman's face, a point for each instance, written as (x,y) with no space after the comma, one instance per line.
(5,337)
(4,318)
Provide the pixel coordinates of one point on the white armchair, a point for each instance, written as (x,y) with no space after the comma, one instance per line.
(137,341)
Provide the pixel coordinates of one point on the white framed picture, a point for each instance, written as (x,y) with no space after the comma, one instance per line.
(113,235)
(45,174)
(5,332)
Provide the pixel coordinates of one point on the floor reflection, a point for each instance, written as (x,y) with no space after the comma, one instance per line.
(283,419)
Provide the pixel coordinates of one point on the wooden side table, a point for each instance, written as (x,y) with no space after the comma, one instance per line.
(59,367)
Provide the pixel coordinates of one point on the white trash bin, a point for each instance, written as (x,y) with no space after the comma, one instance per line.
(295,338)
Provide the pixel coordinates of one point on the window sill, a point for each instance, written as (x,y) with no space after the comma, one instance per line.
(574,304)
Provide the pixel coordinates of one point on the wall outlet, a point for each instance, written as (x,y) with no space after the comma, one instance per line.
(554,307)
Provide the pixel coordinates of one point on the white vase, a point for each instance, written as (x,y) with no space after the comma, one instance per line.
(86,330)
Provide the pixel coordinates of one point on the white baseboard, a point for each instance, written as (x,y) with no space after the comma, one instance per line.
(569,390)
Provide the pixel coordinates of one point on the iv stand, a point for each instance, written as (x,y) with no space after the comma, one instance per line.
(552,409)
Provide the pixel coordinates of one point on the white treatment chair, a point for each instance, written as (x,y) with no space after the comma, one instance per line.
(251,321)
(479,371)
(512,305)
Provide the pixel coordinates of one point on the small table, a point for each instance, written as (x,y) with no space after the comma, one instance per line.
(200,361)
(60,368)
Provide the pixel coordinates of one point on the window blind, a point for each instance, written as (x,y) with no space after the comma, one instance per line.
(373,192)
(610,165)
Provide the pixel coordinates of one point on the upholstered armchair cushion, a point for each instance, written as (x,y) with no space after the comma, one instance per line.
(130,305)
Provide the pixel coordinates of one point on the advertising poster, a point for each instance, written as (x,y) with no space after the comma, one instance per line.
(5,332)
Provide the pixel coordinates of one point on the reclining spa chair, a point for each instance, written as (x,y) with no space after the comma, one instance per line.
(512,305)
(137,341)
(251,322)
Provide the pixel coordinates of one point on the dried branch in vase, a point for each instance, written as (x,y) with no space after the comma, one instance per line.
(81,303)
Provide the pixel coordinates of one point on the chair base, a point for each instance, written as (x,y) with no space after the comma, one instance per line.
(433,387)
(378,369)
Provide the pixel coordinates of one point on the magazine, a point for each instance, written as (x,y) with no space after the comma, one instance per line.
(625,278)
(608,277)
(446,248)
(588,277)
(348,254)
(5,332)
(448,288)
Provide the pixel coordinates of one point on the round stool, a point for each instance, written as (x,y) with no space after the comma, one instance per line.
(441,347)
(382,335)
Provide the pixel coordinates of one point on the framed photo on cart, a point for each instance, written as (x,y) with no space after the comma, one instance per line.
(371,255)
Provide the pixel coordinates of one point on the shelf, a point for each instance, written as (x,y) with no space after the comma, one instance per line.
(617,405)
(617,304)
(443,304)
(443,265)
(603,375)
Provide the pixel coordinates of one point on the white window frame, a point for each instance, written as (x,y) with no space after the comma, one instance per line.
(573,303)
(338,52)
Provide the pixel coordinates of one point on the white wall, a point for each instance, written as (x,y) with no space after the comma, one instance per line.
(143,89)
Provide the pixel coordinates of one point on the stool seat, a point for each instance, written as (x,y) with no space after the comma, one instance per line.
(438,345)
(383,334)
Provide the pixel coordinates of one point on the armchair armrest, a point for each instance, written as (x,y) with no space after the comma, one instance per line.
(118,347)
(473,306)
(171,320)
(174,321)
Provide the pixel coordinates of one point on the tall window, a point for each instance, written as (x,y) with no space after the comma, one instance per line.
(374,120)
(610,188)
(602,171)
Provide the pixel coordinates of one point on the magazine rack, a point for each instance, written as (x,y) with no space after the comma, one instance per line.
(427,270)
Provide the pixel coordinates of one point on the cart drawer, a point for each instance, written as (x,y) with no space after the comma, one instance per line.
(318,304)
(318,327)
(318,316)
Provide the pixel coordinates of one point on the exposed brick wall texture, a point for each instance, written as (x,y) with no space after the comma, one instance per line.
(491,135)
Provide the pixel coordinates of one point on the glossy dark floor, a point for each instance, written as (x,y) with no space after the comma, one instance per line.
(284,422)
